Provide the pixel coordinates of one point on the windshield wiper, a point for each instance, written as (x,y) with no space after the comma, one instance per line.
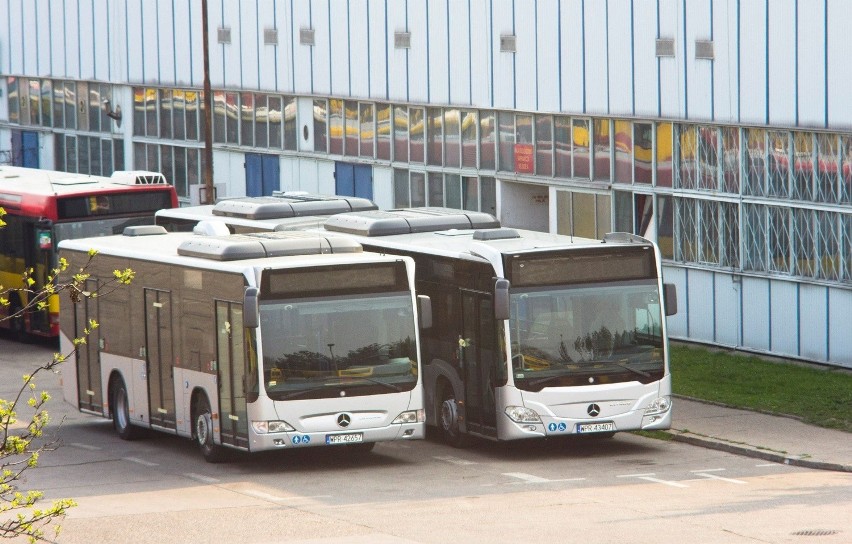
(303,392)
(543,381)
(631,369)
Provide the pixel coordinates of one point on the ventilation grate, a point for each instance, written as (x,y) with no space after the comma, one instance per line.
(402,40)
(306,36)
(508,43)
(270,36)
(224,35)
(665,47)
(704,49)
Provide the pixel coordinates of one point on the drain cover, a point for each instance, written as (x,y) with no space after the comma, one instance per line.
(816,532)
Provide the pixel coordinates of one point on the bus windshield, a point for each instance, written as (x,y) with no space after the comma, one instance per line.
(90,228)
(586,335)
(348,345)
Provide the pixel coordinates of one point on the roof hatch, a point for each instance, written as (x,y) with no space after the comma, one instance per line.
(409,220)
(265,244)
(284,205)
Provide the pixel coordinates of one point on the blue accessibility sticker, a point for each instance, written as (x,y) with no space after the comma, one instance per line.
(306,439)
(562,427)
(551,427)
(297,439)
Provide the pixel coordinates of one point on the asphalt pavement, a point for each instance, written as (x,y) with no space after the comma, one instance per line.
(780,439)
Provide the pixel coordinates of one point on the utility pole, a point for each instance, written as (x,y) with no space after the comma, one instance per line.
(207,159)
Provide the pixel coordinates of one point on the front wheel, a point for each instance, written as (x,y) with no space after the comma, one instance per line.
(121,413)
(203,432)
(449,420)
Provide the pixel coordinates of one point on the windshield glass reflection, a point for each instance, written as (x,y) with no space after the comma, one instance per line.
(601,333)
(356,345)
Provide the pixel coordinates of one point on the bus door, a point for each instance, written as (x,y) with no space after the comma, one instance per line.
(480,373)
(88,354)
(231,357)
(160,360)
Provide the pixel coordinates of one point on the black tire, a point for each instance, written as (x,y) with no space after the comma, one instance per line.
(121,413)
(448,419)
(202,432)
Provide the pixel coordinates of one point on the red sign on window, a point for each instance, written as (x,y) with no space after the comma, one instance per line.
(524,159)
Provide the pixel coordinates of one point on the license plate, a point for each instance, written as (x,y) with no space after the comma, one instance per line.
(604,427)
(351,438)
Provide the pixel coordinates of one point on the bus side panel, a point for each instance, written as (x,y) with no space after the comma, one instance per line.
(187,381)
(132,371)
(68,370)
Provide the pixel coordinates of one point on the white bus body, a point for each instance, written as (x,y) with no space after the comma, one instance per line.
(521,345)
(251,342)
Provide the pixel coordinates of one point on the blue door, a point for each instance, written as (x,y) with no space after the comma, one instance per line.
(262,174)
(353,180)
(29,149)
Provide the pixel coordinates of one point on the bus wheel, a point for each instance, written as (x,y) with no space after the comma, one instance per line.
(449,423)
(203,432)
(121,413)
(17,324)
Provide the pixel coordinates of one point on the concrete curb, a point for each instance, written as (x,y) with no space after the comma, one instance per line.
(749,451)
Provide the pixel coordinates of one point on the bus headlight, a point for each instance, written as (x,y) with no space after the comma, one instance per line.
(413,416)
(520,414)
(266,427)
(661,405)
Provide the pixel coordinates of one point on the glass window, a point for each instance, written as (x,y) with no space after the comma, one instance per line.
(151,115)
(35,102)
(71,106)
(95,109)
(401,190)
(470,193)
(70,154)
(436,189)
(219,117)
(435,136)
(106,157)
(247,105)
(140,157)
(730,159)
(179,114)
(83,155)
(59,152)
(828,168)
(779,163)
(488,195)
(180,179)
(335,126)
(779,238)
(321,125)
(232,119)
(562,141)
(24,101)
(603,215)
(418,189)
(14,99)
(487,141)
(95,160)
(353,129)
(687,157)
(665,226)
(803,166)
(623,207)
(664,154)
(755,167)
(400,133)
(708,220)
(469,137)
(261,120)
(846,172)
(166,114)
(686,226)
(167,162)
(708,163)
(644,223)
(193,168)
(118,154)
(383,131)
(452,138)
(416,135)
(291,128)
(138,111)
(46,103)
(452,191)
(153,157)
(273,119)
(544,145)
(368,130)
(58,104)
(623,142)
(506,136)
(602,150)
(580,148)
(194,103)
(106,95)
(643,153)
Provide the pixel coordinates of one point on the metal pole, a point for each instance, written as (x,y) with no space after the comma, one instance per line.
(207,159)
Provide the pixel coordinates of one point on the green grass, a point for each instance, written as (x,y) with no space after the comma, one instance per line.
(816,395)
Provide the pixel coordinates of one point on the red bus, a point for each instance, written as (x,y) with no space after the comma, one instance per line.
(44,207)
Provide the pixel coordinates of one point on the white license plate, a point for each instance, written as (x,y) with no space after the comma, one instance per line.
(605,427)
(351,438)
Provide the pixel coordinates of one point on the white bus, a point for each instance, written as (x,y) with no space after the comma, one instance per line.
(535,334)
(281,211)
(253,342)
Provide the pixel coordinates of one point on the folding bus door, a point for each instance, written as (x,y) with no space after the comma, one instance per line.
(160,357)
(88,354)
(231,356)
(478,357)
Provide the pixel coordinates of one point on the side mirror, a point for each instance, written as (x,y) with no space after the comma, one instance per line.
(251,311)
(424,309)
(501,299)
(670,294)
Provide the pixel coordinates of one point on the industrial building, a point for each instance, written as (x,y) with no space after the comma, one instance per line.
(721,129)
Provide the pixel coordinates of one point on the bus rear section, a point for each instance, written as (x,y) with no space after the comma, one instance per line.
(534,334)
(248,342)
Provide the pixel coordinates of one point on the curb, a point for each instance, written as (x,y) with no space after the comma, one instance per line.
(755,453)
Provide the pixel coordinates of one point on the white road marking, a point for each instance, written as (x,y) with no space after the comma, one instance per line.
(84,446)
(709,476)
(201,478)
(141,461)
(453,460)
(650,478)
(769,465)
(269,497)
(531,479)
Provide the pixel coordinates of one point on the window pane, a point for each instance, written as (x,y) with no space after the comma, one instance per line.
(291,128)
(562,130)
(544,145)
(247,105)
(193,105)
(166,114)
(708,163)
(827,172)
(418,189)
(179,180)
(261,120)
(452,138)
(35,102)
(400,188)
(352,128)
(118,155)
(665,231)
(583,212)
(436,189)
(803,166)
(83,155)
(708,250)
(664,154)
(623,141)
(106,157)
(580,148)
(179,114)
(167,162)
(46,103)
(335,126)
(435,136)
(320,125)
(232,119)
(94,113)
(506,137)
(59,152)
(602,149)
(470,193)
(14,99)
(452,187)
(24,101)
(487,142)
(623,205)
(273,116)
(383,131)
(219,117)
(755,167)
(400,134)
(564,220)
(731,159)
(71,106)
(604,215)
(469,139)
(730,232)
(153,153)
(643,150)
(70,154)
(58,105)
(193,169)
(686,227)
(152,128)
(644,225)
(846,173)
(140,157)
(368,130)
(416,123)
(523,150)
(687,157)
(779,239)
(779,163)
(106,121)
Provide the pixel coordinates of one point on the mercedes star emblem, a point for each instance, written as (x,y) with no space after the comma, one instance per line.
(593,410)
(344,420)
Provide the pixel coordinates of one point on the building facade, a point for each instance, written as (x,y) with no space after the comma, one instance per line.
(721,129)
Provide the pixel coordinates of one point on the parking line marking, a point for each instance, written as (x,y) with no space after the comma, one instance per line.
(720,478)
(532,479)
(269,497)
(141,461)
(201,478)
(708,470)
(84,446)
(650,478)
(453,460)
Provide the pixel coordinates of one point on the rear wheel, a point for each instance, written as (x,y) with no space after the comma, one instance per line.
(121,413)
(203,432)
(449,418)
